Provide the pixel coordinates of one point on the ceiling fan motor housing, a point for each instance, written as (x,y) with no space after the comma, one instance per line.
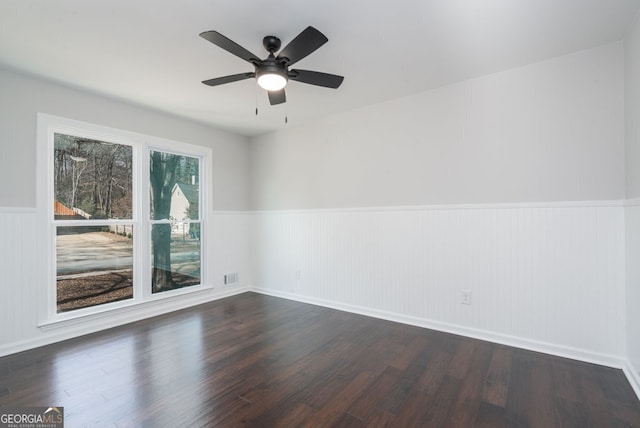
(271,69)
(271,43)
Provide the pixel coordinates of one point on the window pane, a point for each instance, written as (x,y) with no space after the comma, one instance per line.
(94,265)
(175,256)
(92,179)
(175,186)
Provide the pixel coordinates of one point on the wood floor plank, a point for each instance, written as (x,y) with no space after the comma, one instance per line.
(409,353)
(491,416)
(365,406)
(625,415)
(439,408)
(296,417)
(461,361)
(467,401)
(543,404)
(591,393)
(255,360)
(572,413)
(614,386)
(564,379)
(519,409)
(338,406)
(382,420)
(496,386)
(434,373)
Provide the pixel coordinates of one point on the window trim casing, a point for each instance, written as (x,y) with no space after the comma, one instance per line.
(141,145)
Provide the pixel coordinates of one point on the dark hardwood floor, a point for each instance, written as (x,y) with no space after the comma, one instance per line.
(254,360)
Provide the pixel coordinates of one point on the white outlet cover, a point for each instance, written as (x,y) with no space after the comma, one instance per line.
(466,297)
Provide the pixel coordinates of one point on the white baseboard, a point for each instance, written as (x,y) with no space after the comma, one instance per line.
(517,342)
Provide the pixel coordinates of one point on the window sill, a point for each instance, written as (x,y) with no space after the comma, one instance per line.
(130,310)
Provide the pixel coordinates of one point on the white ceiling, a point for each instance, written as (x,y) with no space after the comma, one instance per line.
(149,52)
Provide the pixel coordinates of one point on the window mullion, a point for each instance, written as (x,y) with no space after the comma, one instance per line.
(144,203)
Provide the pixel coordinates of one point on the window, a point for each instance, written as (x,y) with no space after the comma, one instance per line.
(123,218)
(92,215)
(175,221)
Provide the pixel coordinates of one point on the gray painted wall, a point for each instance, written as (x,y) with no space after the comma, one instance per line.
(550,131)
(632,111)
(23,97)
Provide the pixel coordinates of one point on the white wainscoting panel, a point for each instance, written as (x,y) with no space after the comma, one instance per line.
(18,291)
(547,277)
(232,247)
(632,296)
(542,276)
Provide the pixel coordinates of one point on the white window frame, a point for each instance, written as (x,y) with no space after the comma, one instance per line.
(141,146)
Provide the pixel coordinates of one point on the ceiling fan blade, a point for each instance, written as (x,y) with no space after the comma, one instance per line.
(316,78)
(277,97)
(228,79)
(304,43)
(230,46)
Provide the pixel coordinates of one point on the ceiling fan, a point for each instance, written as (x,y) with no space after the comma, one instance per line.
(273,72)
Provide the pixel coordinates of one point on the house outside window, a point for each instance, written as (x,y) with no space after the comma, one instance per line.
(175,252)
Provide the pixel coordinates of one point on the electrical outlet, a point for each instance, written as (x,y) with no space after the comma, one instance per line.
(465,297)
(297,275)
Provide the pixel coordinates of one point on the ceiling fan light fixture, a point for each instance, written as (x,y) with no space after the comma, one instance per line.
(272,81)
(271,78)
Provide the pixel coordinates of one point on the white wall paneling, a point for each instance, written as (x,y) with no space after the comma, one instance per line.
(632,296)
(548,277)
(543,276)
(232,250)
(18,291)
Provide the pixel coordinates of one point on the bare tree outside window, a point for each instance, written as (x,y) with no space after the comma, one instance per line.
(93,176)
